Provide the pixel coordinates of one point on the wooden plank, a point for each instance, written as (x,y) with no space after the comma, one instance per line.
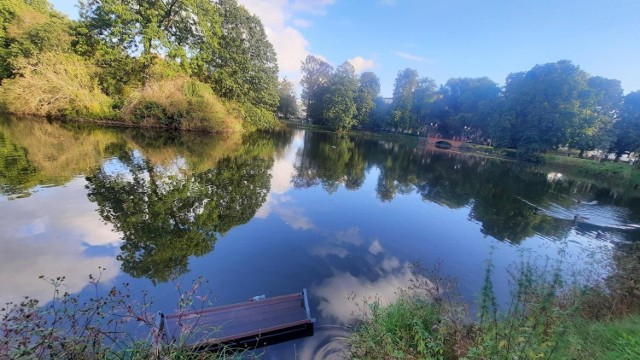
(241,322)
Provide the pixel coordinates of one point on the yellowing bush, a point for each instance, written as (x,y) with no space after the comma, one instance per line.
(182,103)
(54,84)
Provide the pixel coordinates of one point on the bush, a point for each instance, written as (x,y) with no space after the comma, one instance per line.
(179,102)
(68,328)
(54,84)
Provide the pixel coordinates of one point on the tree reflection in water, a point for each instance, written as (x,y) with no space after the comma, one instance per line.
(166,215)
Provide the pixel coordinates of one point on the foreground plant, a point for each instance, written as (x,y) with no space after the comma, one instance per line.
(546,318)
(98,328)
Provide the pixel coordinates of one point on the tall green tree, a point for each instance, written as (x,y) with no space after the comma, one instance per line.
(175,29)
(339,102)
(424,97)
(27,29)
(403,117)
(368,90)
(541,106)
(287,106)
(627,128)
(316,75)
(600,106)
(467,105)
(244,68)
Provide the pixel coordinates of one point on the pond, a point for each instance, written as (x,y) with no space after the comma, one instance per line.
(272,213)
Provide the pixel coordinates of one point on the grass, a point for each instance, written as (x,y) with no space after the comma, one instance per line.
(406,329)
(610,340)
(615,174)
(546,318)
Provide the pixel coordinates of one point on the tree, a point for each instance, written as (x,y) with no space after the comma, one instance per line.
(339,102)
(28,28)
(175,29)
(316,75)
(287,106)
(423,98)
(467,105)
(403,117)
(541,106)
(627,128)
(368,90)
(244,68)
(599,109)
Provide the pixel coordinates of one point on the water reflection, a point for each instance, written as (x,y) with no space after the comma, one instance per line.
(512,201)
(167,214)
(283,211)
(53,233)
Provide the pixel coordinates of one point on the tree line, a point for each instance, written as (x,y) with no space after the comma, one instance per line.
(550,106)
(189,64)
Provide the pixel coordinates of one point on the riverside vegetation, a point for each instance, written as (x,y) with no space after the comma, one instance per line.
(192,65)
(548,316)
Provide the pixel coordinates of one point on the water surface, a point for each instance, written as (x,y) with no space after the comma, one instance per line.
(272,213)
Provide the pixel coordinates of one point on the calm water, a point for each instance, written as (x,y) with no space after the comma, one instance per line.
(277,212)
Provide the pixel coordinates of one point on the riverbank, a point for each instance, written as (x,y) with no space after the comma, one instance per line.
(618,175)
(174,103)
(545,318)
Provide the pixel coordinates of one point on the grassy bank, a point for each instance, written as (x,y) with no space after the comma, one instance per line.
(546,318)
(618,175)
(615,174)
(63,88)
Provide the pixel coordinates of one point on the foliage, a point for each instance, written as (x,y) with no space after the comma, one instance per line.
(627,129)
(368,91)
(68,327)
(424,97)
(256,117)
(405,329)
(466,105)
(316,77)
(120,51)
(180,29)
(287,105)
(245,67)
(546,107)
(339,107)
(404,86)
(544,319)
(181,103)
(55,84)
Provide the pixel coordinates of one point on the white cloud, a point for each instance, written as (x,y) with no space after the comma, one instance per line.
(349,236)
(279,20)
(312,6)
(301,23)
(360,64)
(409,56)
(375,248)
(294,217)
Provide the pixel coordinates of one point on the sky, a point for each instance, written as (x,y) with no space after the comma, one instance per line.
(445,39)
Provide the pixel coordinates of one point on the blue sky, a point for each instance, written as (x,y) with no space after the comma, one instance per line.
(443,39)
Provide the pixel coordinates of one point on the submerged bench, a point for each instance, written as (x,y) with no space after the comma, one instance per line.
(254,323)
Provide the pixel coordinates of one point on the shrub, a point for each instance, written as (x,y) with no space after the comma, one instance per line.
(179,102)
(69,328)
(54,84)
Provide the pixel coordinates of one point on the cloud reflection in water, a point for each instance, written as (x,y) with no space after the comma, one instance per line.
(54,232)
